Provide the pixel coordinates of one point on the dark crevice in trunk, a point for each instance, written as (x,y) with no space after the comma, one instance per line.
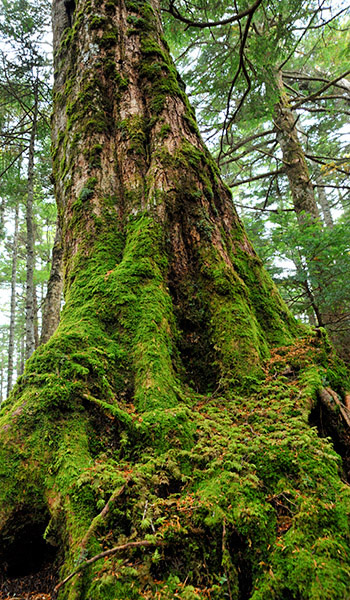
(28,562)
(195,349)
(38,583)
(329,423)
(237,547)
(191,308)
(104,432)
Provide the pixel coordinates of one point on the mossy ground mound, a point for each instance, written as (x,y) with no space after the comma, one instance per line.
(233,496)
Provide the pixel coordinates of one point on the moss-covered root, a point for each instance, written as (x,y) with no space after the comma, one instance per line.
(251,506)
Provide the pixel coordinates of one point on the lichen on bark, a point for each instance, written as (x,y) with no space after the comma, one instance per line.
(160,411)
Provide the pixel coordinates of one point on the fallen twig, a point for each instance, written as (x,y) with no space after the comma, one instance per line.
(110,552)
(102,515)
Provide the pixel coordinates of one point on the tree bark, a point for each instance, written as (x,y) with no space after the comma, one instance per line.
(160,394)
(13,304)
(30,308)
(53,299)
(2,216)
(323,202)
(1,380)
(294,161)
(21,356)
(305,206)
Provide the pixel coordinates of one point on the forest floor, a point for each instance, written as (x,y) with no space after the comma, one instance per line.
(40,584)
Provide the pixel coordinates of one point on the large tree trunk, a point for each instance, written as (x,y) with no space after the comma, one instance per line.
(13,303)
(150,431)
(53,299)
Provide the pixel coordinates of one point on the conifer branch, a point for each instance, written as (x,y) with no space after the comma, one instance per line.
(315,95)
(172,10)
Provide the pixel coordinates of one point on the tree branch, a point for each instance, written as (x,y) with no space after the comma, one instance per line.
(302,35)
(272,210)
(13,161)
(248,139)
(241,67)
(256,177)
(202,24)
(314,95)
(298,76)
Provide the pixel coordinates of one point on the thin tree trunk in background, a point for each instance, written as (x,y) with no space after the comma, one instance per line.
(2,216)
(13,303)
(36,324)
(1,381)
(21,356)
(344,201)
(30,311)
(297,171)
(52,303)
(305,206)
(294,161)
(323,202)
(314,315)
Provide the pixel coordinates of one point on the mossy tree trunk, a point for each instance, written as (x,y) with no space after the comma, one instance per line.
(301,187)
(152,419)
(305,206)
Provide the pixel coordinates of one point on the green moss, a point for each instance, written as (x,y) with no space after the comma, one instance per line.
(99,124)
(112,73)
(135,130)
(91,107)
(98,22)
(134,5)
(252,473)
(164,131)
(156,67)
(110,7)
(93,156)
(109,39)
